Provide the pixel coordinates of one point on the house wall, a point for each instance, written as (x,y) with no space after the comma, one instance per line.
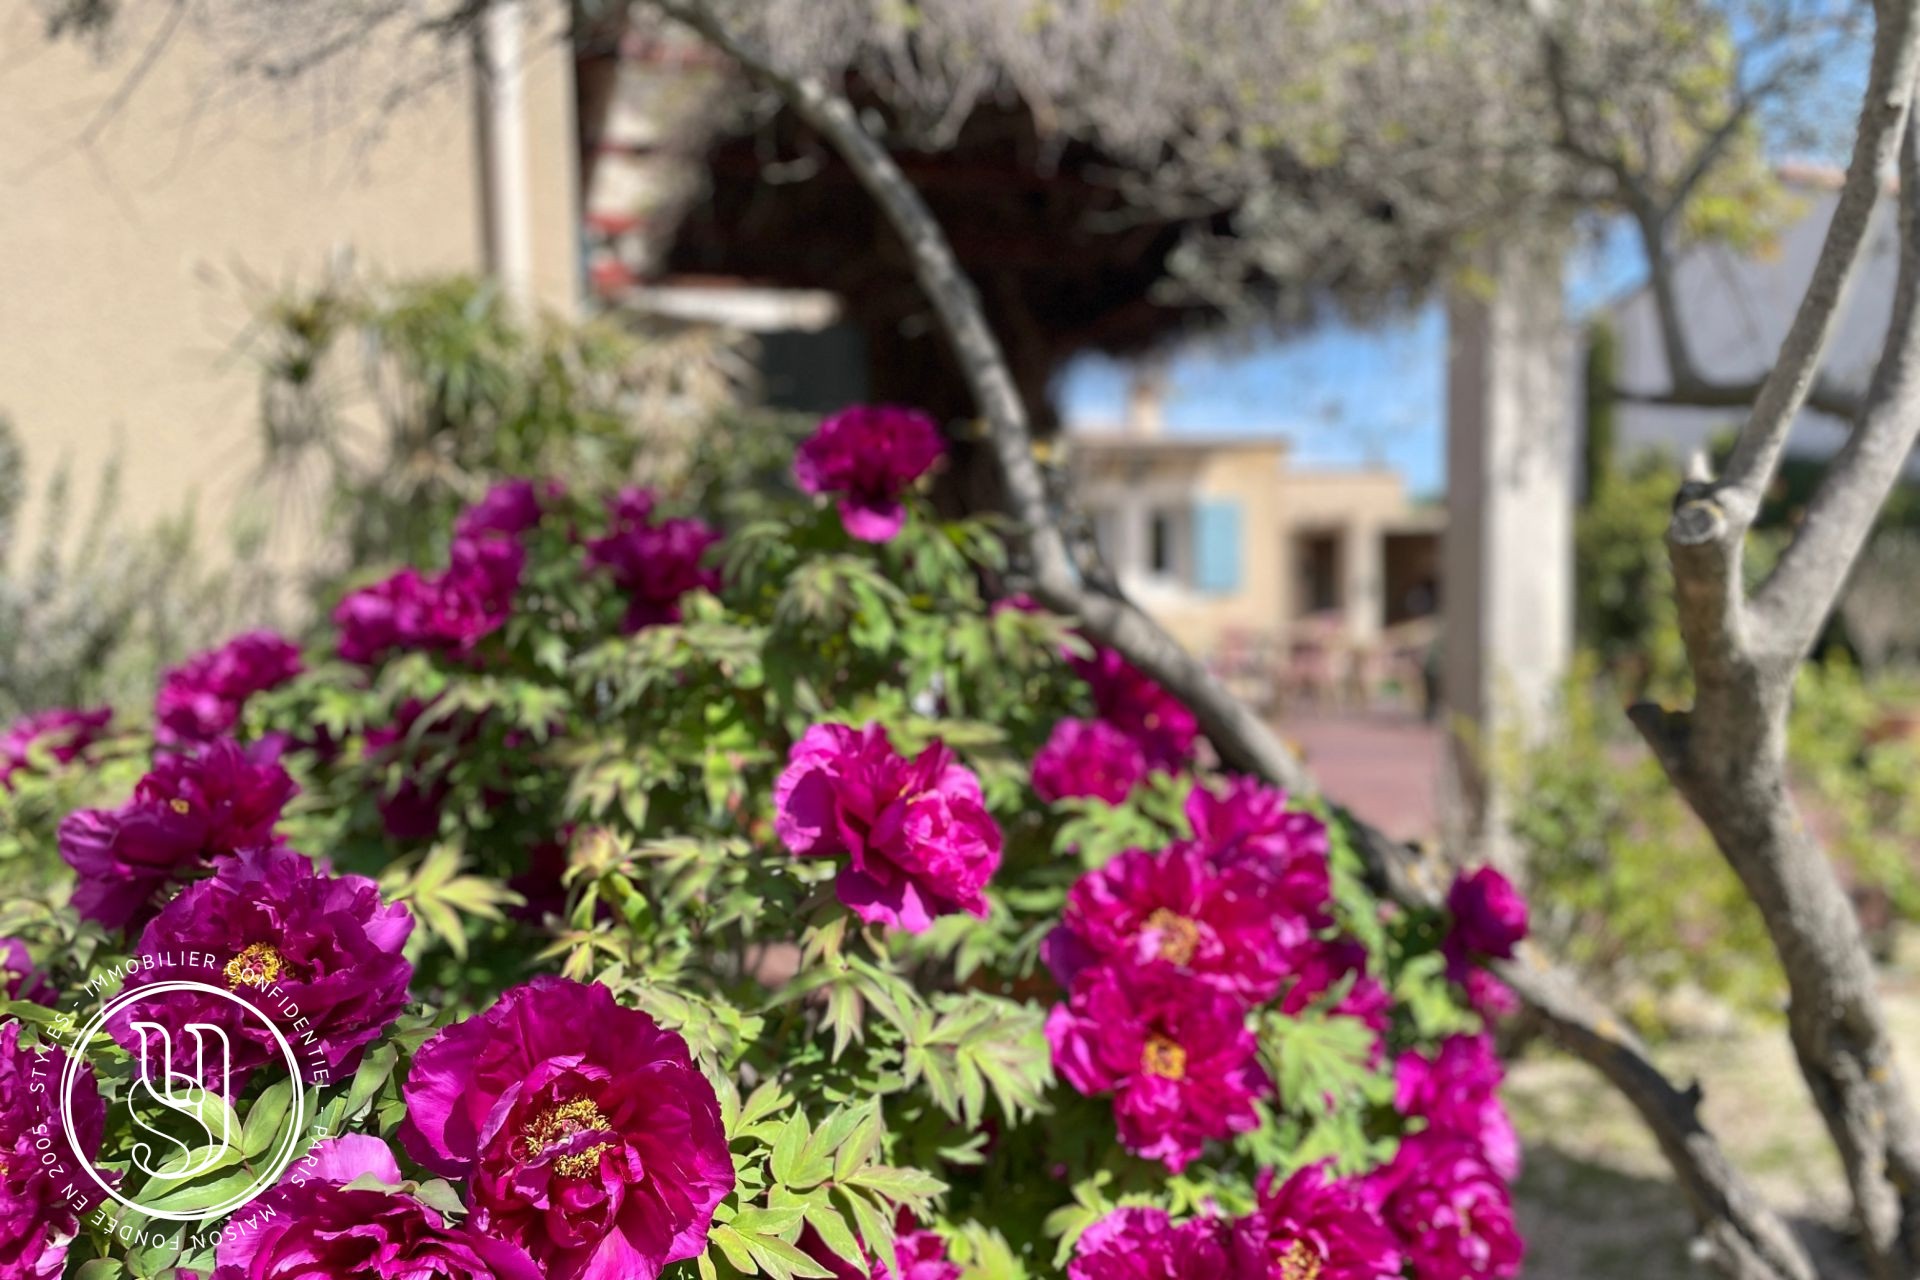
(1123,487)
(135,244)
(1277,510)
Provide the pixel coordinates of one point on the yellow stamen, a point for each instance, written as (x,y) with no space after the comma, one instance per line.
(1163,1058)
(1301,1261)
(558,1125)
(179,806)
(259,965)
(1178,936)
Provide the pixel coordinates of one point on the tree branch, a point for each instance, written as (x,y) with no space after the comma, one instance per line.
(1747,1239)
(1727,755)
(1800,593)
(1750,1241)
(1883,118)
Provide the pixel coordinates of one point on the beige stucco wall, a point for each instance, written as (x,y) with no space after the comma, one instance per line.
(1278,507)
(133,245)
(1111,475)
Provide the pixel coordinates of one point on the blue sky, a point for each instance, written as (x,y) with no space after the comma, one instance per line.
(1348,395)
(1344,395)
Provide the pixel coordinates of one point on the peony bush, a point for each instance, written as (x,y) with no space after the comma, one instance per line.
(708,884)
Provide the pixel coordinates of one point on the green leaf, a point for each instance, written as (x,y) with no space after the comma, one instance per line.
(266,1119)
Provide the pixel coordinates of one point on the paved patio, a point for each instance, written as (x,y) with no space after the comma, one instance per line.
(1383,765)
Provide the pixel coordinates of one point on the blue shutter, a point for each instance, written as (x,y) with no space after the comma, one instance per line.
(1216,546)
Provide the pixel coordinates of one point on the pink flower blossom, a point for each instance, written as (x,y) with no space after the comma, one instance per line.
(451,611)
(1316,1224)
(868,456)
(916,833)
(1455,1089)
(654,561)
(1252,825)
(201,699)
(1449,1209)
(20,978)
(1489,916)
(1175,1053)
(187,812)
(311,1226)
(590,1138)
(509,508)
(287,933)
(1235,931)
(1489,997)
(1144,1244)
(1134,704)
(59,735)
(1088,758)
(37,1164)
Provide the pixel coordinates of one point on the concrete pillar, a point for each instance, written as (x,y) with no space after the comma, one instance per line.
(1507,558)
(1364,570)
(506,200)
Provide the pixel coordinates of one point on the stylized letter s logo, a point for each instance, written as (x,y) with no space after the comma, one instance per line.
(160,1083)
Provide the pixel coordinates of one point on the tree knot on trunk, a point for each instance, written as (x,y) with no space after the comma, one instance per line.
(1698,517)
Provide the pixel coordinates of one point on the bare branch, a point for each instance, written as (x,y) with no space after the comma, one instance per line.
(1727,755)
(1747,1239)
(1800,593)
(1883,118)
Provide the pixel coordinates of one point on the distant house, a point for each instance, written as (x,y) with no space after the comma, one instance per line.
(1320,577)
(1736,307)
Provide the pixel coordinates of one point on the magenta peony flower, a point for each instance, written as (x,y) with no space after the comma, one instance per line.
(311,1227)
(654,562)
(1489,997)
(590,1138)
(869,455)
(1489,917)
(190,810)
(1251,826)
(452,611)
(1143,1244)
(1449,1209)
(1235,931)
(1088,758)
(917,835)
(201,699)
(36,1218)
(510,508)
(1318,1225)
(61,735)
(20,978)
(1175,1053)
(284,929)
(1456,1091)
(1132,703)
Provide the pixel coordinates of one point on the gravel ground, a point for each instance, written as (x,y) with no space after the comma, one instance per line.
(1595,1199)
